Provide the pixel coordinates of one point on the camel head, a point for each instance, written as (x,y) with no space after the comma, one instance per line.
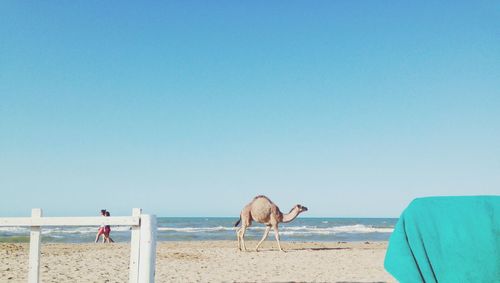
(301,208)
(296,210)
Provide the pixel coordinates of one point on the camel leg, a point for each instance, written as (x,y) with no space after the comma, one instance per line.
(238,237)
(268,228)
(277,236)
(242,238)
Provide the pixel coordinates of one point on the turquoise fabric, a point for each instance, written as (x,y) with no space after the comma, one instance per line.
(447,239)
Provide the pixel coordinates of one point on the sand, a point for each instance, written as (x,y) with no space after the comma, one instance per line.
(211,261)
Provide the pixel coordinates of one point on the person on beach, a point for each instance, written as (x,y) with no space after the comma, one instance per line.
(100,231)
(107,230)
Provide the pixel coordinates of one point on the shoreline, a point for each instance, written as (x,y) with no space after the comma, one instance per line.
(204,261)
(25,240)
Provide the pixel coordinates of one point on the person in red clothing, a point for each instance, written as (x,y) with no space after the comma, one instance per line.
(107,230)
(101,229)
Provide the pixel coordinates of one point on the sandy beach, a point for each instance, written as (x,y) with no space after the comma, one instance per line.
(208,261)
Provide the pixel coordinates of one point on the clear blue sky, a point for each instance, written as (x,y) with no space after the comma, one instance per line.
(191,108)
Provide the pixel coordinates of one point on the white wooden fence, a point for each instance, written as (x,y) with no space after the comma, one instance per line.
(142,244)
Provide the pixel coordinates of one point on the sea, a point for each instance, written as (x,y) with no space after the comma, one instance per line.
(222,228)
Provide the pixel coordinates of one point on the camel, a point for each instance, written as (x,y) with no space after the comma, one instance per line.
(263,210)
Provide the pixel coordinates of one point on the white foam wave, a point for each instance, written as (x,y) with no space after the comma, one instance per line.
(14,230)
(352,229)
(359,228)
(285,230)
(61,230)
(290,230)
(196,229)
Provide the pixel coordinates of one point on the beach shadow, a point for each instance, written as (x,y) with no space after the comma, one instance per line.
(335,282)
(303,249)
(318,249)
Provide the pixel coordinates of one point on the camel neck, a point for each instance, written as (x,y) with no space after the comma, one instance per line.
(290,216)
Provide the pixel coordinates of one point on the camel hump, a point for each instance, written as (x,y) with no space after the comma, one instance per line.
(261,196)
(263,210)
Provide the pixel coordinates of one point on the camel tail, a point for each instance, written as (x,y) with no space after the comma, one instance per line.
(237,222)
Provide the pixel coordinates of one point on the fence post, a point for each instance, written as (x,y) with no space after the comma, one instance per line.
(148,249)
(34,258)
(134,249)
(142,247)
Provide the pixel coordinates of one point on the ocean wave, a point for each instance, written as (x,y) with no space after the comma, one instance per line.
(60,230)
(350,229)
(196,229)
(14,230)
(285,230)
(289,230)
(358,228)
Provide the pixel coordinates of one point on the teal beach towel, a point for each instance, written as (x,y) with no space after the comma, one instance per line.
(447,239)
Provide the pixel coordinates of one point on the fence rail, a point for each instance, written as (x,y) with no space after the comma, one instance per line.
(142,243)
